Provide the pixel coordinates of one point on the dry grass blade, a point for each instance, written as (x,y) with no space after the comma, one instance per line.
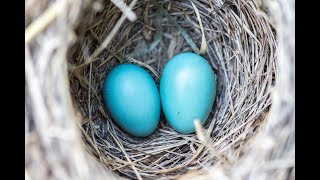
(44,20)
(127,11)
(203,47)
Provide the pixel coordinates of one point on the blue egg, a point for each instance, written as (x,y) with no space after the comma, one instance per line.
(187,91)
(132,99)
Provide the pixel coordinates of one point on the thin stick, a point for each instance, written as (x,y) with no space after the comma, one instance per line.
(89,91)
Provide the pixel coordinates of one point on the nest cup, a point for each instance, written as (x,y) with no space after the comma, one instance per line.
(233,36)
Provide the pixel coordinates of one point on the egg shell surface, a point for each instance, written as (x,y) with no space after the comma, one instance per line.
(187,91)
(132,99)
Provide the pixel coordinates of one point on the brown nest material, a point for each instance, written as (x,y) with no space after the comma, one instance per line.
(238,38)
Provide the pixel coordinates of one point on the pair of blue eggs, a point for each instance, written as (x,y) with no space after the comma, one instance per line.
(187,92)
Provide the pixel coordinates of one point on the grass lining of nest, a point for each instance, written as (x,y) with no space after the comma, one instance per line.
(237,41)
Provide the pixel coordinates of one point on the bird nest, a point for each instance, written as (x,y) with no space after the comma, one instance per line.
(235,37)
(71,45)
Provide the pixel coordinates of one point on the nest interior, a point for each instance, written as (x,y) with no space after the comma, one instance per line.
(236,39)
